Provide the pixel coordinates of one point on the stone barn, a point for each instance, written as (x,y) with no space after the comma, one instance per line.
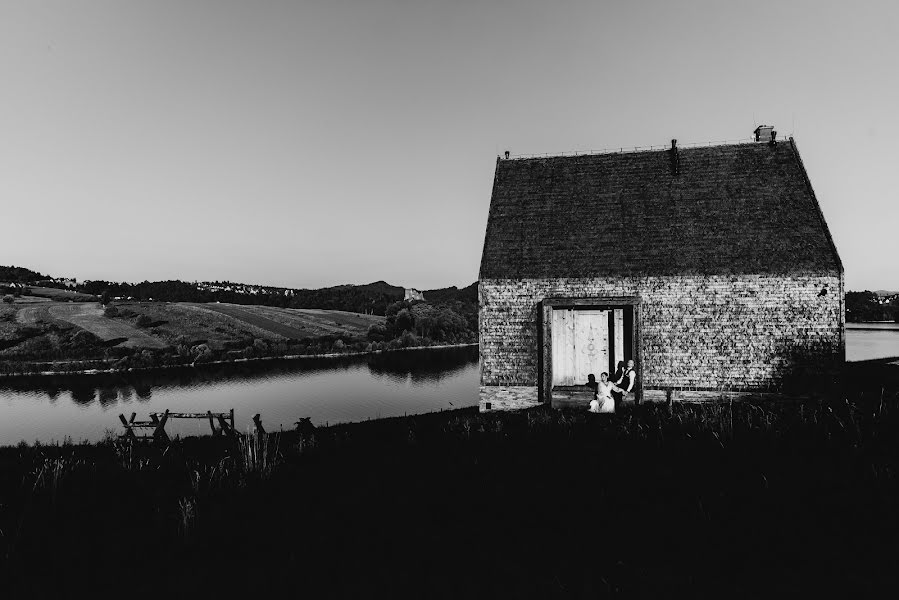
(711,267)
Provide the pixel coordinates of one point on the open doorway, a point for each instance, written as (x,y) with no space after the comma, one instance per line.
(586,336)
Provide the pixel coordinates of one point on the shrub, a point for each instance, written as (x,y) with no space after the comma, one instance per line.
(111,311)
(40,346)
(8,299)
(377,332)
(339,346)
(404,320)
(408,339)
(84,339)
(143,321)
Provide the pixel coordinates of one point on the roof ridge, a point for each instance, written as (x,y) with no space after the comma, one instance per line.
(636,149)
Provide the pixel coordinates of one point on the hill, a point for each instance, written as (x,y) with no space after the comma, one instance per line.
(370,298)
(19,275)
(451,294)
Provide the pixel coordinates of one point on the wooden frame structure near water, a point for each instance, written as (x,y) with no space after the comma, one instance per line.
(157,422)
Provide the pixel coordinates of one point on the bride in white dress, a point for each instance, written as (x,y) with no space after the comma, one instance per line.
(604,403)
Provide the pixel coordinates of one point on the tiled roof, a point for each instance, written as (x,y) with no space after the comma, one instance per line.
(746,208)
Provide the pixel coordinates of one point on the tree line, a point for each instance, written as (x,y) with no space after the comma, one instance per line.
(868,306)
(373,298)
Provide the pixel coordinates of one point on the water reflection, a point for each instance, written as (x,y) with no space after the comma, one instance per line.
(325,389)
(420,366)
(83,395)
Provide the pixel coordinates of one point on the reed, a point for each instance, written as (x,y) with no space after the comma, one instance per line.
(257,455)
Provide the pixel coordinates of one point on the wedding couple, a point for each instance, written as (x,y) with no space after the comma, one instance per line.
(607,394)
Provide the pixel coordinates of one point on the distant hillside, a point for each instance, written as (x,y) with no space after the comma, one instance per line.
(371,298)
(450,294)
(20,275)
(883,293)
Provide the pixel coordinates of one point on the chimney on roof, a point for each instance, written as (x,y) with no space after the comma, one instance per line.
(763,133)
(507,155)
(675,159)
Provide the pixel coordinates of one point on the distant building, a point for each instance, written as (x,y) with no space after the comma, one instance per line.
(711,267)
(413,294)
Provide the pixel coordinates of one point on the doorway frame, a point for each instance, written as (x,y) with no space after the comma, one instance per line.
(548,305)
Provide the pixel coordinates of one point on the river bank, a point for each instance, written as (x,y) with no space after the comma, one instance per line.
(76,367)
(732,498)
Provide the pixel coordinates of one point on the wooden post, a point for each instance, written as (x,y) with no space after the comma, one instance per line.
(212,423)
(129,433)
(159,433)
(232,421)
(226,428)
(260,430)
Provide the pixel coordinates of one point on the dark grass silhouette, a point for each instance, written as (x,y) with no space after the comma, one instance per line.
(734,499)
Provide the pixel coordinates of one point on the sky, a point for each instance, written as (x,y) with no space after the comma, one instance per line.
(308,144)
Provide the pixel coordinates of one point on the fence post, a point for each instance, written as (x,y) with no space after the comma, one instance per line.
(129,433)
(260,430)
(159,433)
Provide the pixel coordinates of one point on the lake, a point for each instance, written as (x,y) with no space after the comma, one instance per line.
(329,390)
(868,341)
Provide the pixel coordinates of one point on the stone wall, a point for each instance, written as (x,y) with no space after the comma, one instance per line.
(745,332)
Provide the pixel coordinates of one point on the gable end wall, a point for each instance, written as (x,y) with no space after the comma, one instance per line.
(747,332)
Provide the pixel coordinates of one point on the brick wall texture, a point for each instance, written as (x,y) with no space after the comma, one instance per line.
(748,332)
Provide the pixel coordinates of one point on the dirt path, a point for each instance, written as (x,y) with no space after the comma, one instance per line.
(89,316)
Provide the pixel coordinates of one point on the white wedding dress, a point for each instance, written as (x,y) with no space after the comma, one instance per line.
(604,403)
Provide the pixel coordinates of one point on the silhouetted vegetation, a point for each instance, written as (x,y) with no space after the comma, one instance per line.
(19,275)
(734,499)
(869,306)
(373,298)
(448,323)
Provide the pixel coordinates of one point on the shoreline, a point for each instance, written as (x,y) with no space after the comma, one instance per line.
(224,362)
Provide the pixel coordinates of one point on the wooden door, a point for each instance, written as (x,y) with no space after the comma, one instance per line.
(580,345)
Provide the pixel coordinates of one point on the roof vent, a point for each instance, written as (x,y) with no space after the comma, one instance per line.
(763,133)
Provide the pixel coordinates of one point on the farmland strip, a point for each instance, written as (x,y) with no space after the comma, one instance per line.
(90,317)
(237,312)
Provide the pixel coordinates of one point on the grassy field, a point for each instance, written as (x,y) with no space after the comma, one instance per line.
(147,334)
(220,323)
(62,295)
(296,323)
(253,318)
(734,500)
(90,317)
(314,322)
(178,322)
